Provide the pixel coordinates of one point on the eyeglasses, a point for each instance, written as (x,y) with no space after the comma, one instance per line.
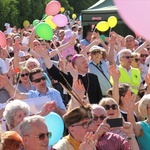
(41,136)
(144,55)
(26,74)
(102,117)
(137,59)
(113,106)
(96,52)
(39,79)
(85,125)
(127,57)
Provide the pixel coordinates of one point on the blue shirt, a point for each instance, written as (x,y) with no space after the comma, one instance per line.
(53,95)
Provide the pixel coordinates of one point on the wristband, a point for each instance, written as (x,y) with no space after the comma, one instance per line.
(29,50)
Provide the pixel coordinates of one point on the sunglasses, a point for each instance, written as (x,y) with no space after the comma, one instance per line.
(102,117)
(113,106)
(96,52)
(85,125)
(127,57)
(148,49)
(26,74)
(39,79)
(41,136)
(137,59)
(144,55)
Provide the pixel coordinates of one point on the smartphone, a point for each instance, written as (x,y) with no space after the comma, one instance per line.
(116,122)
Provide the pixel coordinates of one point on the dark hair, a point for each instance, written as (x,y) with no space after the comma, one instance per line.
(35,71)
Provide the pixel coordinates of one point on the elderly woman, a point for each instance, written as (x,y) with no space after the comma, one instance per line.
(10,140)
(14,113)
(17,110)
(24,84)
(141,128)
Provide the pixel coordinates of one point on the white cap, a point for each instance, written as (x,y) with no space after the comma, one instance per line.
(95,47)
(68,33)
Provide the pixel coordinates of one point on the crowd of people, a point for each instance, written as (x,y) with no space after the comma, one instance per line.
(88,81)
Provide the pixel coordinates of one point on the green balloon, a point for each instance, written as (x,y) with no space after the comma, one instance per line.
(103,37)
(44,31)
(35,22)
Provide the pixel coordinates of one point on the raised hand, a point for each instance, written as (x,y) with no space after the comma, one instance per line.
(47,108)
(88,143)
(114,72)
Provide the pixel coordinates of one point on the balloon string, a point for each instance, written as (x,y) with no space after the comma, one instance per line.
(110,31)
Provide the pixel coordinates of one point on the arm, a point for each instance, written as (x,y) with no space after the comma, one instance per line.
(138,50)
(115,76)
(11,89)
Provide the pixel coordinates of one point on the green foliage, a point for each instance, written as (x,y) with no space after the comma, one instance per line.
(16,11)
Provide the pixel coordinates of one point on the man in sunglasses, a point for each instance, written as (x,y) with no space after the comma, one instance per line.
(99,67)
(39,81)
(108,140)
(34,133)
(129,75)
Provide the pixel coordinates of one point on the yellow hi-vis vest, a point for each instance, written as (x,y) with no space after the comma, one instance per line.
(134,79)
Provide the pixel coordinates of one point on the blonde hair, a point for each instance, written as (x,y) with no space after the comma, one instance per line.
(142,107)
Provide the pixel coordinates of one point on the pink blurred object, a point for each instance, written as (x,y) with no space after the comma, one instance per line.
(52,8)
(135,14)
(2,40)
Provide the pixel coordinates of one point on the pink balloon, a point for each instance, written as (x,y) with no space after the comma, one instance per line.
(60,20)
(52,8)
(135,14)
(2,39)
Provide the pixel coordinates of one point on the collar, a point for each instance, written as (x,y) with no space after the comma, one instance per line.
(49,91)
(75,144)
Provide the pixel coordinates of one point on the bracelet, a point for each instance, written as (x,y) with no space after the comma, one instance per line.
(131,137)
(29,50)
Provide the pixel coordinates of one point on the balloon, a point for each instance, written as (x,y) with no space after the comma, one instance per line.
(135,14)
(112,21)
(35,22)
(44,16)
(50,22)
(103,37)
(74,16)
(60,20)
(26,24)
(2,39)
(44,31)
(102,26)
(62,9)
(52,8)
(80,18)
(55,125)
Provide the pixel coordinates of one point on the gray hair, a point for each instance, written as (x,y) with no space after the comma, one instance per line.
(32,60)
(27,124)
(122,52)
(10,110)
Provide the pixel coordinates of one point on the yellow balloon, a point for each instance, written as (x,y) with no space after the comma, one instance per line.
(102,26)
(74,16)
(62,9)
(50,22)
(112,21)
(26,24)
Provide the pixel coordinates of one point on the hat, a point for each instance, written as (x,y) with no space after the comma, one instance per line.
(95,47)
(7,25)
(21,54)
(68,33)
(77,114)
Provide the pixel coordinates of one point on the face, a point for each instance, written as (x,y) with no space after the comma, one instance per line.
(96,55)
(99,116)
(126,60)
(32,65)
(19,116)
(129,43)
(78,131)
(24,76)
(111,109)
(81,65)
(39,81)
(135,61)
(143,56)
(43,43)
(32,142)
